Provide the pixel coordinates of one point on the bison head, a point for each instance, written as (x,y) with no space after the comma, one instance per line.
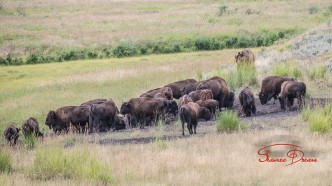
(172,107)
(262,98)
(125,108)
(50,119)
(206,114)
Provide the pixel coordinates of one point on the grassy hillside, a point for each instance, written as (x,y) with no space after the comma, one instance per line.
(53,27)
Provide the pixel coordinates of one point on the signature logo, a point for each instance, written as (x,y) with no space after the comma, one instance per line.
(291,154)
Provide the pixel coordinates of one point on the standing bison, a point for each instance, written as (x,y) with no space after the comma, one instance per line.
(103,117)
(271,87)
(220,91)
(95,101)
(60,119)
(191,113)
(291,90)
(245,57)
(178,86)
(11,134)
(31,127)
(247,101)
(210,104)
(164,90)
(184,100)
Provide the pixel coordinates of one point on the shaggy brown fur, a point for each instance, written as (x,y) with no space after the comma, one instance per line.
(178,86)
(11,134)
(291,90)
(247,101)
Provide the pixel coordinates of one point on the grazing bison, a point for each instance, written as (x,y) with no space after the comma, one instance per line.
(190,113)
(164,90)
(95,101)
(11,134)
(103,117)
(189,88)
(60,119)
(271,87)
(201,95)
(31,126)
(178,86)
(245,57)
(291,90)
(146,109)
(211,104)
(184,100)
(247,101)
(220,91)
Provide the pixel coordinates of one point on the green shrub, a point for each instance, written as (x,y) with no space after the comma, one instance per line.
(222,10)
(125,50)
(319,119)
(313,10)
(74,164)
(6,163)
(228,121)
(318,73)
(287,69)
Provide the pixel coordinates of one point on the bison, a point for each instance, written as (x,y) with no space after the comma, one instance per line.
(210,104)
(291,90)
(60,119)
(103,117)
(11,134)
(178,86)
(31,127)
(164,90)
(160,96)
(189,88)
(271,87)
(247,101)
(220,91)
(95,101)
(184,100)
(146,109)
(190,113)
(200,95)
(245,57)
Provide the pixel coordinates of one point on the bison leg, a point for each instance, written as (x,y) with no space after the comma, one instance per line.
(282,103)
(182,128)
(195,126)
(189,126)
(253,109)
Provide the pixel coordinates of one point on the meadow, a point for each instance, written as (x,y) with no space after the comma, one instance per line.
(159,155)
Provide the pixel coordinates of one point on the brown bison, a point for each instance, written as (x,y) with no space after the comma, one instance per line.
(31,127)
(247,101)
(160,96)
(291,90)
(211,104)
(190,113)
(60,119)
(146,109)
(201,95)
(178,86)
(189,88)
(220,91)
(95,101)
(11,134)
(271,87)
(164,90)
(245,57)
(184,100)
(103,117)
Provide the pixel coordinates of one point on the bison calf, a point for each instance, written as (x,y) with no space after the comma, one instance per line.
(184,100)
(247,102)
(291,90)
(211,104)
(190,113)
(31,127)
(11,134)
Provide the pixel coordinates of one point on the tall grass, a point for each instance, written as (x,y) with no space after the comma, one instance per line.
(288,69)
(6,162)
(30,141)
(51,163)
(228,121)
(319,119)
(318,73)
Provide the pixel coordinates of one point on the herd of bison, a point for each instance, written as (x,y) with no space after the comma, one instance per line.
(195,100)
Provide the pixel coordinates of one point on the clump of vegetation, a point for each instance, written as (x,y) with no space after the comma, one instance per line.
(243,75)
(228,121)
(75,164)
(319,119)
(313,10)
(222,10)
(287,69)
(29,141)
(318,73)
(6,163)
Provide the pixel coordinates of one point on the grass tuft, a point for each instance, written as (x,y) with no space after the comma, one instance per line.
(319,119)
(228,121)
(318,73)
(51,163)
(287,69)
(6,163)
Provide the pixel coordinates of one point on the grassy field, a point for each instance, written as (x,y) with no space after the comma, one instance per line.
(38,26)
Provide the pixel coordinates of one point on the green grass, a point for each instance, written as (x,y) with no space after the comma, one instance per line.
(288,69)
(318,73)
(53,163)
(228,121)
(6,162)
(319,119)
